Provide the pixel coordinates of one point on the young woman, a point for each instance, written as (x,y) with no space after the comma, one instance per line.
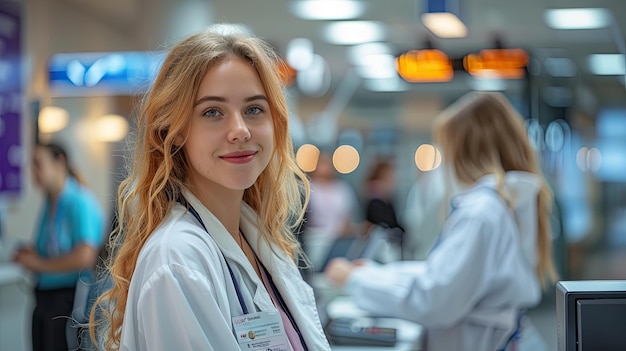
(493,254)
(204,258)
(69,235)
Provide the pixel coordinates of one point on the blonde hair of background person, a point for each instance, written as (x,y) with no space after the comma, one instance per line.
(482,134)
(159,167)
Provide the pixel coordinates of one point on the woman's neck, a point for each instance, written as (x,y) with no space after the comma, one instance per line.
(225,204)
(54,191)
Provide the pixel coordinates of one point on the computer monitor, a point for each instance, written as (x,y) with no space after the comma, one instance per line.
(591,315)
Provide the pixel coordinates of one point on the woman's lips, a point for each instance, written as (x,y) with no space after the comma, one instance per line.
(239,157)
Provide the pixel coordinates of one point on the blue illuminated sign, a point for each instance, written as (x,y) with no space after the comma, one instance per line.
(436,6)
(103,73)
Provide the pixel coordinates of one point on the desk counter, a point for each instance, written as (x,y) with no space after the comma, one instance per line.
(15,307)
(410,335)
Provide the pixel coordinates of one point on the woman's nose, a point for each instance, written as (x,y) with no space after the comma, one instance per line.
(238,129)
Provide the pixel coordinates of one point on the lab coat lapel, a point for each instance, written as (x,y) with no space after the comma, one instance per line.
(230,249)
(275,261)
(296,293)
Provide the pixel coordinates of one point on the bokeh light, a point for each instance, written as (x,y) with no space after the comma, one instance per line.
(346,159)
(52,119)
(307,156)
(427,157)
(110,128)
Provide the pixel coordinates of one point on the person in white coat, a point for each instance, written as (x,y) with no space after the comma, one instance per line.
(204,255)
(493,254)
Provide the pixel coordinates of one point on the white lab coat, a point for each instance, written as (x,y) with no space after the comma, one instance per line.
(181,295)
(469,291)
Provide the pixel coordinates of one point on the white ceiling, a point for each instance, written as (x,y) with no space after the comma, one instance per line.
(517,23)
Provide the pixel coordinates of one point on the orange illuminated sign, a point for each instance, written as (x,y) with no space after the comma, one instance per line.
(424,66)
(497,63)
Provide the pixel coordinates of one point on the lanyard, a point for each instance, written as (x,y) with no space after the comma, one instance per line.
(195,213)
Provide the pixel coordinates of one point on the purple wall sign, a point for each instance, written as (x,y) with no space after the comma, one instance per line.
(11,97)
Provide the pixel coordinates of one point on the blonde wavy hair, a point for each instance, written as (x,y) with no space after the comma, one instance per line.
(482,134)
(158,169)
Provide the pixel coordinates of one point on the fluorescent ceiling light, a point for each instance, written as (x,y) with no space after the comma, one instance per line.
(377,72)
(353,32)
(444,24)
(315,80)
(607,64)
(377,66)
(386,85)
(378,60)
(357,53)
(300,53)
(327,9)
(582,18)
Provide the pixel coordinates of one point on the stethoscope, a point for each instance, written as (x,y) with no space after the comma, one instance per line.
(195,213)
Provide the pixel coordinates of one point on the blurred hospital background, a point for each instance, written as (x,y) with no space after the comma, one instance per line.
(365,80)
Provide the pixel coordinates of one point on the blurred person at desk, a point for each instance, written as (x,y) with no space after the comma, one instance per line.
(494,253)
(379,195)
(379,190)
(330,212)
(68,239)
(204,255)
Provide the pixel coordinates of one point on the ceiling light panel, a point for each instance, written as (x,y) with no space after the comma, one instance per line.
(300,53)
(377,72)
(579,18)
(354,32)
(444,25)
(607,64)
(358,54)
(327,9)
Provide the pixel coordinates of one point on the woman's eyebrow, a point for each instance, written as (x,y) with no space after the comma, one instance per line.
(209,98)
(256,97)
(221,99)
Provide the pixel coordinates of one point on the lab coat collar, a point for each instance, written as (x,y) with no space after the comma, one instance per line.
(268,253)
(249,225)
(521,189)
(227,244)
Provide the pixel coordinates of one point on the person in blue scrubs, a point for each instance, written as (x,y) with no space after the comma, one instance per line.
(69,235)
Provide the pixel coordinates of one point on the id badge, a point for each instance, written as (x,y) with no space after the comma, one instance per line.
(261,331)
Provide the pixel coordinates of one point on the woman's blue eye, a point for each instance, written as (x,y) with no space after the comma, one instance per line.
(255,110)
(212,112)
